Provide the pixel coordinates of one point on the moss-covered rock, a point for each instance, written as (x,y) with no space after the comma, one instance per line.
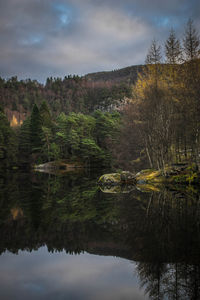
(110,179)
(149,176)
(124,177)
(174,174)
(127,177)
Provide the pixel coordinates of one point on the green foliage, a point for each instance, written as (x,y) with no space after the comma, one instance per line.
(35,138)
(45,115)
(35,130)
(25,142)
(91,151)
(192,178)
(8,143)
(107,126)
(54,151)
(77,135)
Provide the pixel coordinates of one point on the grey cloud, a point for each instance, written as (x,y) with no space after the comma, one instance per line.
(43,275)
(44,38)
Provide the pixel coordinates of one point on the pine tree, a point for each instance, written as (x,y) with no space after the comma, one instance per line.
(45,115)
(191,42)
(154,55)
(172,49)
(8,142)
(25,143)
(36,130)
(153,61)
(47,132)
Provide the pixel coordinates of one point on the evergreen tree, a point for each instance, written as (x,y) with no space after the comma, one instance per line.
(25,143)
(45,115)
(191,42)
(35,130)
(172,49)
(8,142)
(47,131)
(153,61)
(154,55)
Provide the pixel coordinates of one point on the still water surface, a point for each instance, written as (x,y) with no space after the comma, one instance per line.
(44,275)
(64,238)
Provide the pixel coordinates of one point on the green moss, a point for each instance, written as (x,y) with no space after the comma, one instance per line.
(150,176)
(110,178)
(15,168)
(186,176)
(178,179)
(192,167)
(192,178)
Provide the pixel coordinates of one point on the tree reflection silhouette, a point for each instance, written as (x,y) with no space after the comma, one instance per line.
(158,230)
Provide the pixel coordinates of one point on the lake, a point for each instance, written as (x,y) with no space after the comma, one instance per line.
(62,237)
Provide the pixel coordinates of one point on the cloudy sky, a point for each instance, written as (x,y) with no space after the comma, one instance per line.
(42,275)
(41,38)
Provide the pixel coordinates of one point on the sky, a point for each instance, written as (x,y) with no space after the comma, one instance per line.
(42,275)
(43,38)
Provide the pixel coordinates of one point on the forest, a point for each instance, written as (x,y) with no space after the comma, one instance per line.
(147,120)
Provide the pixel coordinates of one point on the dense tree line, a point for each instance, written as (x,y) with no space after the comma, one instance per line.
(163,119)
(71,94)
(75,137)
(8,142)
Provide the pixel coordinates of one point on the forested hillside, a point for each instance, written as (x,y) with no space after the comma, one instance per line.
(162,122)
(125,75)
(72,118)
(103,90)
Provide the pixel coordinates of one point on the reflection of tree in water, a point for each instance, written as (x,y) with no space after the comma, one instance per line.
(61,212)
(170,281)
(151,276)
(161,231)
(168,245)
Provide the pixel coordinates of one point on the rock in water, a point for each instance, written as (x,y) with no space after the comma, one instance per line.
(124,177)
(128,177)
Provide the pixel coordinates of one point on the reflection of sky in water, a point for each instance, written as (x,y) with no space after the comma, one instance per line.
(43,275)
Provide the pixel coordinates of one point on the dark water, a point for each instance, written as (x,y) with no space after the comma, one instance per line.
(61,237)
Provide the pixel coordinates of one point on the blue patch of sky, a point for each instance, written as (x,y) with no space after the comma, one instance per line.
(65,12)
(64,19)
(162,21)
(134,11)
(32,40)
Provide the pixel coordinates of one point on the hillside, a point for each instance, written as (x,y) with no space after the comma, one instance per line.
(127,75)
(101,90)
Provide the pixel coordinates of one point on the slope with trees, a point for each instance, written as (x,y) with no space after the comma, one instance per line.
(165,109)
